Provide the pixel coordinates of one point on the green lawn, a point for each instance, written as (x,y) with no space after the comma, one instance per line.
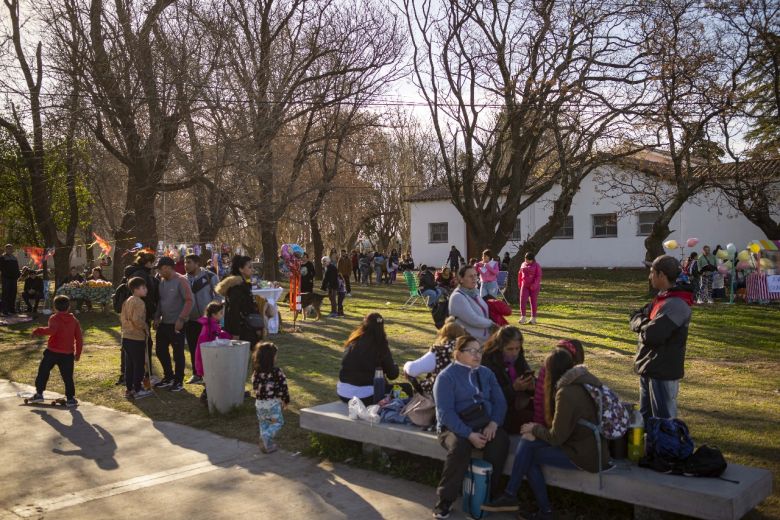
(730,396)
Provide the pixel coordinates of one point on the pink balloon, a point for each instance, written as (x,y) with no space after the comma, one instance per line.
(286,252)
(691,242)
(722,269)
(743,265)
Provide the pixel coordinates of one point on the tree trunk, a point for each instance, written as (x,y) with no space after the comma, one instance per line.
(270,243)
(764,221)
(139,224)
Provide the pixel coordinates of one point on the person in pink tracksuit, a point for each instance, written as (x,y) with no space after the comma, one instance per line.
(529,281)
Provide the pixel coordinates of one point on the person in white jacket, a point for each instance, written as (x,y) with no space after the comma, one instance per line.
(468,308)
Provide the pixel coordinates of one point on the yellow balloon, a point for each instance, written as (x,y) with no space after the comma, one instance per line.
(744,255)
(722,254)
(766,263)
(670,244)
(754,248)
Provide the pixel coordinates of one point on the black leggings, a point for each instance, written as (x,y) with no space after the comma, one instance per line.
(133,351)
(65,363)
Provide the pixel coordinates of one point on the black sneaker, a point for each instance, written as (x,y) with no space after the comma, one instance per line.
(36,398)
(503,503)
(120,381)
(71,403)
(442,509)
(176,387)
(165,383)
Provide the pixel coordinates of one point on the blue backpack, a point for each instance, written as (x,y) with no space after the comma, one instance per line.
(476,488)
(668,446)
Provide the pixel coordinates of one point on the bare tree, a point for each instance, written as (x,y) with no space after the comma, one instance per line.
(275,53)
(31,144)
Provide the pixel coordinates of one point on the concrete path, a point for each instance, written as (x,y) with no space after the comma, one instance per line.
(95,462)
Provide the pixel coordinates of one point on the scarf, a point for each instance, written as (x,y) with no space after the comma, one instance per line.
(473,293)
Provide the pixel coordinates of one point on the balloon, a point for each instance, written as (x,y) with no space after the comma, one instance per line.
(744,255)
(286,252)
(722,254)
(754,248)
(691,242)
(728,264)
(731,248)
(297,250)
(766,263)
(722,269)
(743,265)
(670,244)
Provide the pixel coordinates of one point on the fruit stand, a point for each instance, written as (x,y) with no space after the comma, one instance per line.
(97,292)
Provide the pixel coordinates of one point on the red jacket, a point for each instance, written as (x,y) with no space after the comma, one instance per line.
(64,332)
(497,310)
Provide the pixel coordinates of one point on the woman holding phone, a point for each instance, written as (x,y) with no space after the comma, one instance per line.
(505,357)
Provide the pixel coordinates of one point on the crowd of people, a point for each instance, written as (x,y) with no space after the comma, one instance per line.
(484,388)
(708,277)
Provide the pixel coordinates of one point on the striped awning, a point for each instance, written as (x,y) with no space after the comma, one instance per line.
(769,245)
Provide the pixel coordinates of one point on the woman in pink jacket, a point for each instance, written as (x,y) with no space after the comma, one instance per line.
(529,281)
(488,272)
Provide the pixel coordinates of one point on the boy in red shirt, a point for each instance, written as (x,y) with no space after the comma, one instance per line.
(63,350)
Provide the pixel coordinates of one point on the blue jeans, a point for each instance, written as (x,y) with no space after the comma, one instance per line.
(529,459)
(432,295)
(490,288)
(658,398)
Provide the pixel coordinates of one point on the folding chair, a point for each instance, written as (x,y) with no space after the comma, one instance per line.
(501,280)
(414,290)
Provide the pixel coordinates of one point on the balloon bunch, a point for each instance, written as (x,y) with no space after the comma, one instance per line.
(291,255)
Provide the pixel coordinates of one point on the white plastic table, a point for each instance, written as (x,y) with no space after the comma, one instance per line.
(272,294)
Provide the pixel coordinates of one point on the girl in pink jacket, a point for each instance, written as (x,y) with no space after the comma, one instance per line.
(488,272)
(529,281)
(210,330)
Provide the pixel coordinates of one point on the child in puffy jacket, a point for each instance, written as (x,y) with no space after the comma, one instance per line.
(488,272)
(529,282)
(210,331)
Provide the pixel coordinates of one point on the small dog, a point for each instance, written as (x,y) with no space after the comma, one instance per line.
(310,304)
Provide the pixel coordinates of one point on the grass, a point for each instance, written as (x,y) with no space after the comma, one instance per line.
(730,396)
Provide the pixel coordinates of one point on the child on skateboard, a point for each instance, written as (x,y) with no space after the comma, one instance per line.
(63,350)
(134,337)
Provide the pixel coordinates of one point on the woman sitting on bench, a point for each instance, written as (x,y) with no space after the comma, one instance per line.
(567,444)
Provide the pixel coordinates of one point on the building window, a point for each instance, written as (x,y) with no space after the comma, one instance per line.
(437,232)
(605,225)
(517,232)
(567,229)
(645,221)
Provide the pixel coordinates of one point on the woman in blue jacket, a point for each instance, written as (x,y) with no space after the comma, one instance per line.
(470,409)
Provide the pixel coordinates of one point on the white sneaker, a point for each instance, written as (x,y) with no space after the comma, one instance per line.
(523,320)
(533,321)
(710,301)
(699,301)
(142,393)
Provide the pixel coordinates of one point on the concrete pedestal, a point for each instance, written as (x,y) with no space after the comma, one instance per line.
(225,366)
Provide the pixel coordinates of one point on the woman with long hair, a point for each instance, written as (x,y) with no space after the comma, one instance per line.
(438,357)
(365,350)
(566,444)
(504,355)
(239,302)
(542,412)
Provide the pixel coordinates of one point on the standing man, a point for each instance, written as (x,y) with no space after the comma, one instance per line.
(9,266)
(173,310)
(330,284)
(708,264)
(345,269)
(662,326)
(202,284)
(454,259)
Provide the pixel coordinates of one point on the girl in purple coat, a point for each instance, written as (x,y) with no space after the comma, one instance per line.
(529,281)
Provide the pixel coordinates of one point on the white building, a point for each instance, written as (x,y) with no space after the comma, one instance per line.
(596,233)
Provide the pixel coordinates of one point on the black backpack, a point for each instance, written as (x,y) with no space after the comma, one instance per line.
(121,294)
(440,312)
(707,461)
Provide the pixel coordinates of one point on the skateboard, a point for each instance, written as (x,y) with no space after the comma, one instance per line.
(27,397)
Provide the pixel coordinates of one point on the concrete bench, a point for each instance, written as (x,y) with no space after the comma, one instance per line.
(712,499)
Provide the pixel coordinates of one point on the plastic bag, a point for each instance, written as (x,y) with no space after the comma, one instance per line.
(357,410)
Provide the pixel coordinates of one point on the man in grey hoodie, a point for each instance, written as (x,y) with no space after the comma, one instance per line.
(203,284)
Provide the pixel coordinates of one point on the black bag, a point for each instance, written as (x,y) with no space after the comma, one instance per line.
(255,321)
(475,416)
(121,294)
(705,462)
(440,312)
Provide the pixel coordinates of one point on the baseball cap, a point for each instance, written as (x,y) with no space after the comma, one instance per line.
(164,260)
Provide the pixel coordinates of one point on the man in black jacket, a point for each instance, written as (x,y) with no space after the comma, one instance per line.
(662,326)
(9,266)
(330,283)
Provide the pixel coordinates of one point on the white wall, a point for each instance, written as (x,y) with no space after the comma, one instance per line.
(700,218)
(424,213)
